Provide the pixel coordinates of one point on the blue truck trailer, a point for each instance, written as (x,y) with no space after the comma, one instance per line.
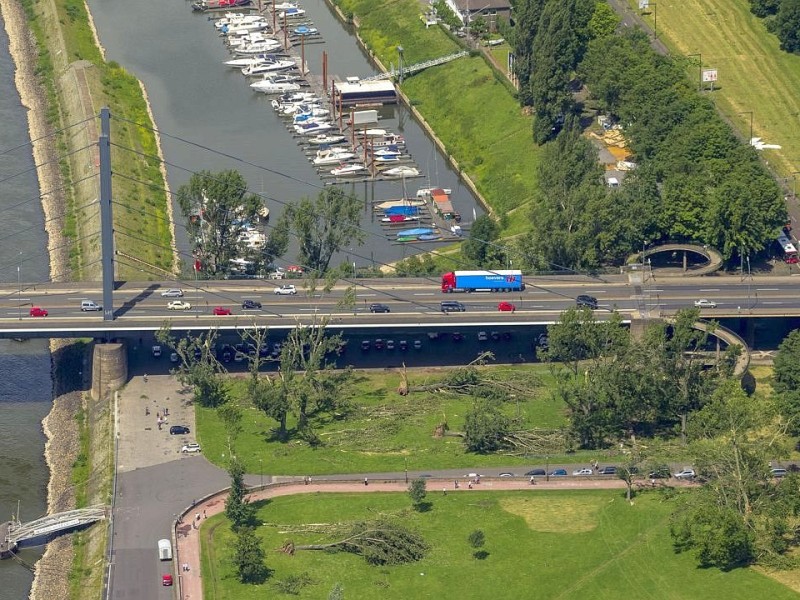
(482,281)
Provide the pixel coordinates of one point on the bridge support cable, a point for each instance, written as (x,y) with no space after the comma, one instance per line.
(106,218)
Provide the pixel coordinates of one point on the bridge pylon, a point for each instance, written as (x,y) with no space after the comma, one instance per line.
(106,216)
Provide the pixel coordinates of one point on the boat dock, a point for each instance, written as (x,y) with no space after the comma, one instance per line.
(15,533)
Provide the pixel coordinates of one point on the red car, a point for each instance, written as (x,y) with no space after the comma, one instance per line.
(791,260)
(166,580)
(221,310)
(506,307)
(294,269)
(37,311)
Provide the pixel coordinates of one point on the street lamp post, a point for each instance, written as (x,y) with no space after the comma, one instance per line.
(794,184)
(547,468)
(19,295)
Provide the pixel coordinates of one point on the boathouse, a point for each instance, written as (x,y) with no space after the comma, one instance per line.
(354,92)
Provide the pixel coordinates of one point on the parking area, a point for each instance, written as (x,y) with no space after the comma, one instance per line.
(143,403)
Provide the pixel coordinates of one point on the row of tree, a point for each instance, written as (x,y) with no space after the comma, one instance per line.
(782,17)
(219,208)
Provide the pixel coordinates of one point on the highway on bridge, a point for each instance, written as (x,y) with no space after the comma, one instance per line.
(141,306)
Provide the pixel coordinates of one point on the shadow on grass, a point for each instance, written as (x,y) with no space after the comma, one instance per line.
(480,554)
(423,507)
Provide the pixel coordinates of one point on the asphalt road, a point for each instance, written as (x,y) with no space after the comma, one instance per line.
(410,301)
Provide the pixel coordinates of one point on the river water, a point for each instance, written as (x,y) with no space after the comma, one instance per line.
(178,56)
(25,385)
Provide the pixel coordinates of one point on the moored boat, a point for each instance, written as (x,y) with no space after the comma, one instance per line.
(332,156)
(312,128)
(261,68)
(415,232)
(327,138)
(349,170)
(266,86)
(401,172)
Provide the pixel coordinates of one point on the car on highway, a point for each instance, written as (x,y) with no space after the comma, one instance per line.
(584,471)
(251,304)
(558,473)
(172,293)
(587,301)
(685,473)
(378,308)
(178,305)
(452,306)
(37,311)
(286,290)
(536,473)
(607,471)
(89,305)
(705,303)
(190,448)
(178,430)
(506,307)
(221,311)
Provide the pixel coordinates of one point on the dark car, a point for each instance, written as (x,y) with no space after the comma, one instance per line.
(457,337)
(379,344)
(452,306)
(558,472)
(178,430)
(587,301)
(543,341)
(251,304)
(660,472)
(365,345)
(607,471)
(536,473)
(379,308)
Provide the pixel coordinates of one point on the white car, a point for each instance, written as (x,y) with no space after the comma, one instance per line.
(584,471)
(705,303)
(686,473)
(277,275)
(172,293)
(286,290)
(178,305)
(190,448)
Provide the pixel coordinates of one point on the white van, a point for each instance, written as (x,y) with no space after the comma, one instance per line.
(90,305)
(164,550)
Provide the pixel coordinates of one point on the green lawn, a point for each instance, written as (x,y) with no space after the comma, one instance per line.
(754,74)
(563,545)
(384,431)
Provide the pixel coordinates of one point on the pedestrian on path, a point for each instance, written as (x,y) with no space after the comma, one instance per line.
(204,514)
(145,377)
(197,517)
(366,482)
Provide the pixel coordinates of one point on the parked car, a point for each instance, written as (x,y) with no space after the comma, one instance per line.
(365,345)
(506,307)
(286,290)
(685,473)
(495,335)
(587,301)
(379,344)
(558,472)
(778,472)
(190,448)
(457,337)
(378,308)
(607,471)
(178,430)
(417,344)
(507,475)
(156,351)
(482,336)
(278,275)
(543,341)
(294,269)
(166,580)
(173,357)
(37,311)
(403,345)
(221,310)
(705,303)
(660,472)
(172,293)
(390,344)
(536,473)
(178,305)
(584,471)
(251,304)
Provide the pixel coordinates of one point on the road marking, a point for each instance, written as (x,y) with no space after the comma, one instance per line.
(596,291)
(768,289)
(424,294)
(651,291)
(365,295)
(710,290)
(771,302)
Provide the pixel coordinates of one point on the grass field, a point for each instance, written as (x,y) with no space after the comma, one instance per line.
(755,76)
(385,432)
(561,545)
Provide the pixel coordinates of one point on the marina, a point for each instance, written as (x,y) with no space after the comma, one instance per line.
(336,125)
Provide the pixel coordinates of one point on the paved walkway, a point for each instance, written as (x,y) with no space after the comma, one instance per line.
(187,533)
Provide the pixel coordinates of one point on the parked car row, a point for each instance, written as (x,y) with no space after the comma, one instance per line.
(381,344)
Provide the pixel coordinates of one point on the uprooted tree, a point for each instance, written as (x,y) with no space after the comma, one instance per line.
(380,542)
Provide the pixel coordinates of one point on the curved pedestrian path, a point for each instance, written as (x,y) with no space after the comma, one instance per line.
(714,259)
(187,530)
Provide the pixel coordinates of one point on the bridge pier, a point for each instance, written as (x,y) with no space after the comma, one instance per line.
(109,368)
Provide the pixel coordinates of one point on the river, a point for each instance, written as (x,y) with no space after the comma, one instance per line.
(194,97)
(25,385)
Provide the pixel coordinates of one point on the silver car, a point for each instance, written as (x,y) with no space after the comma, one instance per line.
(172,293)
